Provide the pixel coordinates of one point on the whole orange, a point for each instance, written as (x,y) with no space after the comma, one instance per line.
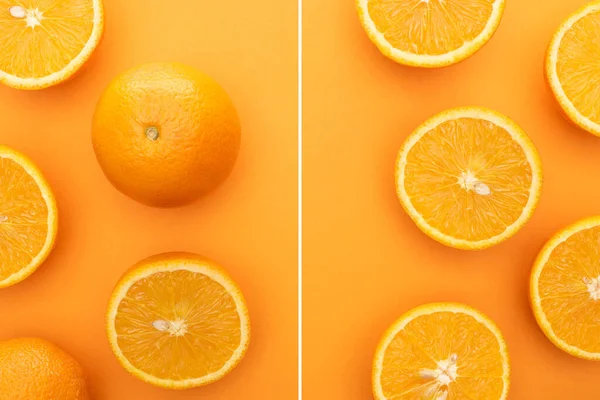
(35,369)
(165,134)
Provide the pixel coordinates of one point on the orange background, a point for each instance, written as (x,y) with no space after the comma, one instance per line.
(248,224)
(365,262)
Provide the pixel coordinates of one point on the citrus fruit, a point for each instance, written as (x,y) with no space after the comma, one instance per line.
(430,33)
(44,42)
(37,369)
(469,177)
(441,351)
(178,321)
(565,289)
(165,134)
(572,67)
(28,217)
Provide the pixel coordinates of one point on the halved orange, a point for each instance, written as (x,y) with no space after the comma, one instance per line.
(442,351)
(430,33)
(28,217)
(44,42)
(469,177)
(178,321)
(565,289)
(573,70)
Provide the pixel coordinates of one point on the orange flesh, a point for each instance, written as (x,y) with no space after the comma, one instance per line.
(208,311)
(565,299)
(578,65)
(431,338)
(23,218)
(437,161)
(432,28)
(64,28)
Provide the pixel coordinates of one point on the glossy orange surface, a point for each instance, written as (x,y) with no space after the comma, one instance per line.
(165,133)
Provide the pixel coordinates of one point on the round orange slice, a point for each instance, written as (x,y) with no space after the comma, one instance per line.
(565,289)
(442,351)
(178,321)
(573,70)
(44,42)
(430,33)
(28,217)
(469,177)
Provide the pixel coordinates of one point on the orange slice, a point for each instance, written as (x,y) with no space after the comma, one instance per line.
(430,33)
(178,321)
(572,67)
(28,217)
(469,177)
(565,289)
(441,351)
(44,42)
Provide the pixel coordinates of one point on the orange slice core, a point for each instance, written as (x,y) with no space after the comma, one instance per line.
(468,178)
(178,325)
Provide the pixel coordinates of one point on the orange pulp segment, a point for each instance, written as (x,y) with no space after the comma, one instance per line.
(28,217)
(430,33)
(565,289)
(469,177)
(573,70)
(44,42)
(441,351)
(178,321)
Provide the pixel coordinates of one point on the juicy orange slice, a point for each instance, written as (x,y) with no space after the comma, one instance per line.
(430,33)
(44,42)
(469,177)
(573,70)
(565,289)
(178,321)
(28,217)
(441,352)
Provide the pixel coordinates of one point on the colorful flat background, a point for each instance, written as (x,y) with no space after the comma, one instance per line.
(248,224)
(365,263)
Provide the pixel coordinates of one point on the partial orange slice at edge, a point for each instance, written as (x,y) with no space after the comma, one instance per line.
(28,217)
(178,321)
(44,42)
(565,289)
(430,33)
(573,70)
(469,177)
(442,351)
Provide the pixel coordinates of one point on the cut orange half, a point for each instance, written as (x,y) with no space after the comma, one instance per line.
(28,217)
(441,351)
(573,70)
(178,321)
(44,42)
(565,289)
(469,177)
(430,33)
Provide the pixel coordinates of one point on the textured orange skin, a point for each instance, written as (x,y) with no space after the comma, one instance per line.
(34,369)
(199,134)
